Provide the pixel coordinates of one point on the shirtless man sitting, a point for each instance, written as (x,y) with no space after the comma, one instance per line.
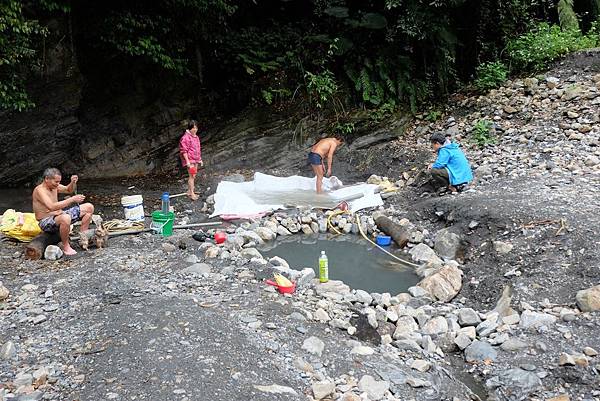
(55,216)
(321,150)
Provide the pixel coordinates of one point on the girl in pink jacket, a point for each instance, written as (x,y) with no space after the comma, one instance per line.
(191,155)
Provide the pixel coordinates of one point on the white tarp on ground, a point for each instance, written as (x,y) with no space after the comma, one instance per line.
(267,193)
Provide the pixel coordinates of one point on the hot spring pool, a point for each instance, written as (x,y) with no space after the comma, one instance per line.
(351,259)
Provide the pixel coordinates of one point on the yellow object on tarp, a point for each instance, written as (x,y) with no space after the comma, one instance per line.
(20,226)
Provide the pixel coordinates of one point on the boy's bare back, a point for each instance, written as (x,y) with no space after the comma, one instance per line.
(324,146)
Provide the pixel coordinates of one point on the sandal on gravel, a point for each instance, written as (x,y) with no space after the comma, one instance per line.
(200,236)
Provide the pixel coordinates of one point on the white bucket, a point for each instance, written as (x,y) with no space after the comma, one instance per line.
(133,207)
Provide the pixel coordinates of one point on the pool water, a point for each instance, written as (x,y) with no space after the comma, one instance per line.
(351,259)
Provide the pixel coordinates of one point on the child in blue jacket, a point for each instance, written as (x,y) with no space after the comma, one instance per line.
(451,168)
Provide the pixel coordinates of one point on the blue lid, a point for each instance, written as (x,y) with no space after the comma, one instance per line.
(165,196)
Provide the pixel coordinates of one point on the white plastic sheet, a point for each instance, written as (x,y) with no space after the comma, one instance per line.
(267,193)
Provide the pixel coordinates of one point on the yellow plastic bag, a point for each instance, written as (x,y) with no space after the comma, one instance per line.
(21,226)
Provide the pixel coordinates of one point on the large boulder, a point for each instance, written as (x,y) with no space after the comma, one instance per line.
(447,244)
(589,300)
(444,284)
(424,254)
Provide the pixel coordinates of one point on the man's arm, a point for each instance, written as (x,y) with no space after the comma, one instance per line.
(68,189)
(330,158)
(51,205)
(442,159)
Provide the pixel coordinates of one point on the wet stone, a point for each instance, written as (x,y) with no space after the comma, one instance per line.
(480,351)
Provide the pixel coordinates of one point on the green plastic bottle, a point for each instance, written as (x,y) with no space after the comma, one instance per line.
(323,268)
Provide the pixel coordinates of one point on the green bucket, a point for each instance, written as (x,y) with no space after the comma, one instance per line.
(162,223)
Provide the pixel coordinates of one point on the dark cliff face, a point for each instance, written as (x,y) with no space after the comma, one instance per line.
(70,128)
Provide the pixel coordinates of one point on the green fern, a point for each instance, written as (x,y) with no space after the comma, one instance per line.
(566,15)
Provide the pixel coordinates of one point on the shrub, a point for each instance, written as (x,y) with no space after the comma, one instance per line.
(481,134)
(433,115)
(344,128)
(321,87)
(379,114)
(490,75)
(545,43)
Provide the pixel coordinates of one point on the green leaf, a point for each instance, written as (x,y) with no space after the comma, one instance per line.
(373,21)
(337,12)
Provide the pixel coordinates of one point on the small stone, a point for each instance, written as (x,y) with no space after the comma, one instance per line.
(530,319)
(420,365)
(589,300)
(416,291)
(437,325)
(350,397)
(589,351)
(250,253)
(265,233)
(468,331)
(197,268)
(511,319)
(322,389)
(276,389)
(581,360)
(502,248)
(8,350)
(313,345)
(417,383)
(362,350)
(473,224)
(480,351)
(562,397)
(462,341)
(572,115)
(375,389)
(468,317)
(566,359)
(363,297)
(168,247)
(281,230)
(405,325)
(321,315)
(4,293)
(39,319)
(513,344)
(277,261)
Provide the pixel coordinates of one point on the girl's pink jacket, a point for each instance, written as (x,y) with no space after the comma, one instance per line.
(190,144)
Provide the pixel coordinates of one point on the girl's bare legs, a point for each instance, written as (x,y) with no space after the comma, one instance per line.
(191,185)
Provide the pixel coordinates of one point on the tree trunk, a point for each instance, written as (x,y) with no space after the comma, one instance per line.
(396,231)
(35,249)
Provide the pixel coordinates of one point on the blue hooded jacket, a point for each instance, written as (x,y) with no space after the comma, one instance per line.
(453,159)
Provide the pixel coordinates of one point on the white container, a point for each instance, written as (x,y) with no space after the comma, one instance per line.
(133,207)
